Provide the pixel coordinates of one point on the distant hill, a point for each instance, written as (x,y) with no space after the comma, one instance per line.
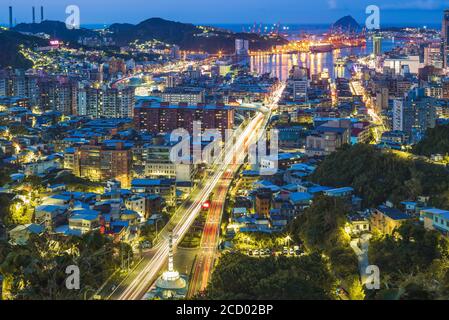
(187,36)
(10,43)
(154,28)
(55,29)
(347,24)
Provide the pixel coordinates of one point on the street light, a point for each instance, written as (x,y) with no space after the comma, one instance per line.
(88,289)
(288,238)
(155,239)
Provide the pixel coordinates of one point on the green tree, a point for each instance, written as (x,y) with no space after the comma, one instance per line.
(321,226)
(436,141)
(378,175)
(37,270)
(240,277)
(415,262)
(355,288)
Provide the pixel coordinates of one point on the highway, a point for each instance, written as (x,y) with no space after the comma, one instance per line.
(172,67)
(205,259)
(139,281)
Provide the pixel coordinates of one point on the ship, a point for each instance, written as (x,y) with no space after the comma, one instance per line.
(322,47)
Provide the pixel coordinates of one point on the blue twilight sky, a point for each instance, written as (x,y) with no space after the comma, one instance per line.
(409,12)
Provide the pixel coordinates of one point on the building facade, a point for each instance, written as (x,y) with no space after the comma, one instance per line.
(100,163)
(164,118)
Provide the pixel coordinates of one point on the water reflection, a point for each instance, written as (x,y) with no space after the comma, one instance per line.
(279,65)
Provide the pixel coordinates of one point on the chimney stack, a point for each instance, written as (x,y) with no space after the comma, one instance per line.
(10,17)
(34,15)
(42,13)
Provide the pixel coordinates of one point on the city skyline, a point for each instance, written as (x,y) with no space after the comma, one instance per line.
(204,12)
(234,159)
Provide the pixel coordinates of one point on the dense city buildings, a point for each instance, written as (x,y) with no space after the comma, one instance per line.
(105,102)
(175,95)
(261,161)
(414,114)
(445,38)
(101,163)
(164,118)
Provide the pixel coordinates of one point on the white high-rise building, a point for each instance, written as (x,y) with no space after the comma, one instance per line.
(377,45)
(175,52)
(105,102)
(398,114)
(398,63)
(445,38)
(81,106)
(433,56)
(300,88)
(26,86)
(414,114)
(4,87)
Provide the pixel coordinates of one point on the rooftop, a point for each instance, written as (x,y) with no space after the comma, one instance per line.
(151,182)
(146,105)
(393,213)
(438,212)
(300,197)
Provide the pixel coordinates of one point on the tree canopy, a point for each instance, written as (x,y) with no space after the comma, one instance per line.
(436,141)
(413,262)
(378,176)
(321,226)
(245,278)
(37,270)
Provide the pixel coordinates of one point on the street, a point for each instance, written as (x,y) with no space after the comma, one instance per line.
(139,280)
(210,239)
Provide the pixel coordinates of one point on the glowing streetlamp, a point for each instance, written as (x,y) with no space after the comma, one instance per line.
(288,239)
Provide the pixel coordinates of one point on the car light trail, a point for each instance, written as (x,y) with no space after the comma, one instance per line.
(140,284)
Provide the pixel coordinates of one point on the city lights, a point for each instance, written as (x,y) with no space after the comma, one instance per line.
(299,154)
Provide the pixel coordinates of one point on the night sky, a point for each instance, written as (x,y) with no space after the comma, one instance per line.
(410,12)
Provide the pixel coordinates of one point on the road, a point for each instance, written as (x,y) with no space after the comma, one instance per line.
(112,290)
(376,119)
(209,241)
(205,260)
(172,67)
(139,281)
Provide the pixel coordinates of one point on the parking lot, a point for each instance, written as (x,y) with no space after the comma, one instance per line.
(295,251)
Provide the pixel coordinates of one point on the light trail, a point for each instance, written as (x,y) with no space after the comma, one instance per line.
(140,284)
